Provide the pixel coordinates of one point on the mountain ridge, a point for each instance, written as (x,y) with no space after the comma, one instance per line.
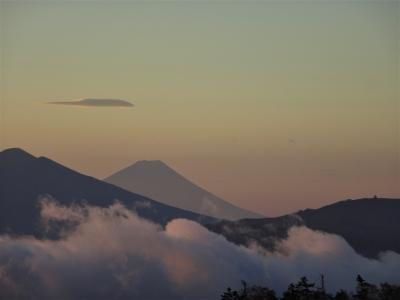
(24,178)
(369,225)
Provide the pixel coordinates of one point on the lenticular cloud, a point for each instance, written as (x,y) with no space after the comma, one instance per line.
(96,102)
(114,254)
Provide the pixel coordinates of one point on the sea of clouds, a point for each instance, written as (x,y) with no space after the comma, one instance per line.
(113,254)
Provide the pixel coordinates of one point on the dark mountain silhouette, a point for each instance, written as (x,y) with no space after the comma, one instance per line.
(156,180)
(370,226)
(25,178)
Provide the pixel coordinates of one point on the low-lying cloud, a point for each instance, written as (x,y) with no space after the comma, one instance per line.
(114,254)
(96,102)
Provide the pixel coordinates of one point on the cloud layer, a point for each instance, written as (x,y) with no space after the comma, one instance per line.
(96,102)
(114,254)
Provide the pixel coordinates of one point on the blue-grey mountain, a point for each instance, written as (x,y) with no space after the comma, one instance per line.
(156,180)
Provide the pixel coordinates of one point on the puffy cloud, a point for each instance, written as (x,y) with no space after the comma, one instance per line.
(114,254)
(309,253)
(96,102)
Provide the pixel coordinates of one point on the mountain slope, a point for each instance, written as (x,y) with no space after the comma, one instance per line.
(158,181)
(25,178)
(370,226)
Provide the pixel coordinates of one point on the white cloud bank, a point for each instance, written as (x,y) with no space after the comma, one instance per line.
(113,254)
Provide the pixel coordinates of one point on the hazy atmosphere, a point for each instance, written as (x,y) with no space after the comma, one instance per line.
(274,106)
(200,150)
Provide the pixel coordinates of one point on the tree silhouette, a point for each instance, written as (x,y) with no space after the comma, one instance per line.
(365,290)
(236,295)
(302,290)
(389,292)
(249,293)
(230,295)
(342,295)
(261,293)
(305,290)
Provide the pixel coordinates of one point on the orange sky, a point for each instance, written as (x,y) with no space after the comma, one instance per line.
(272,106)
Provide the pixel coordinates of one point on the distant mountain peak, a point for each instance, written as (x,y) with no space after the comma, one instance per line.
(151,166)
(15,154)
(150,163)
(15,151)
(158,181)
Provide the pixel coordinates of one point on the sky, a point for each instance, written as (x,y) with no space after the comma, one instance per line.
(272,105)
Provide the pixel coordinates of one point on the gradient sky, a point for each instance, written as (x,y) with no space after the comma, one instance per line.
(274,106)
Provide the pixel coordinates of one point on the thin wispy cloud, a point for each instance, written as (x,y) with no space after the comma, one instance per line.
(96,102)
